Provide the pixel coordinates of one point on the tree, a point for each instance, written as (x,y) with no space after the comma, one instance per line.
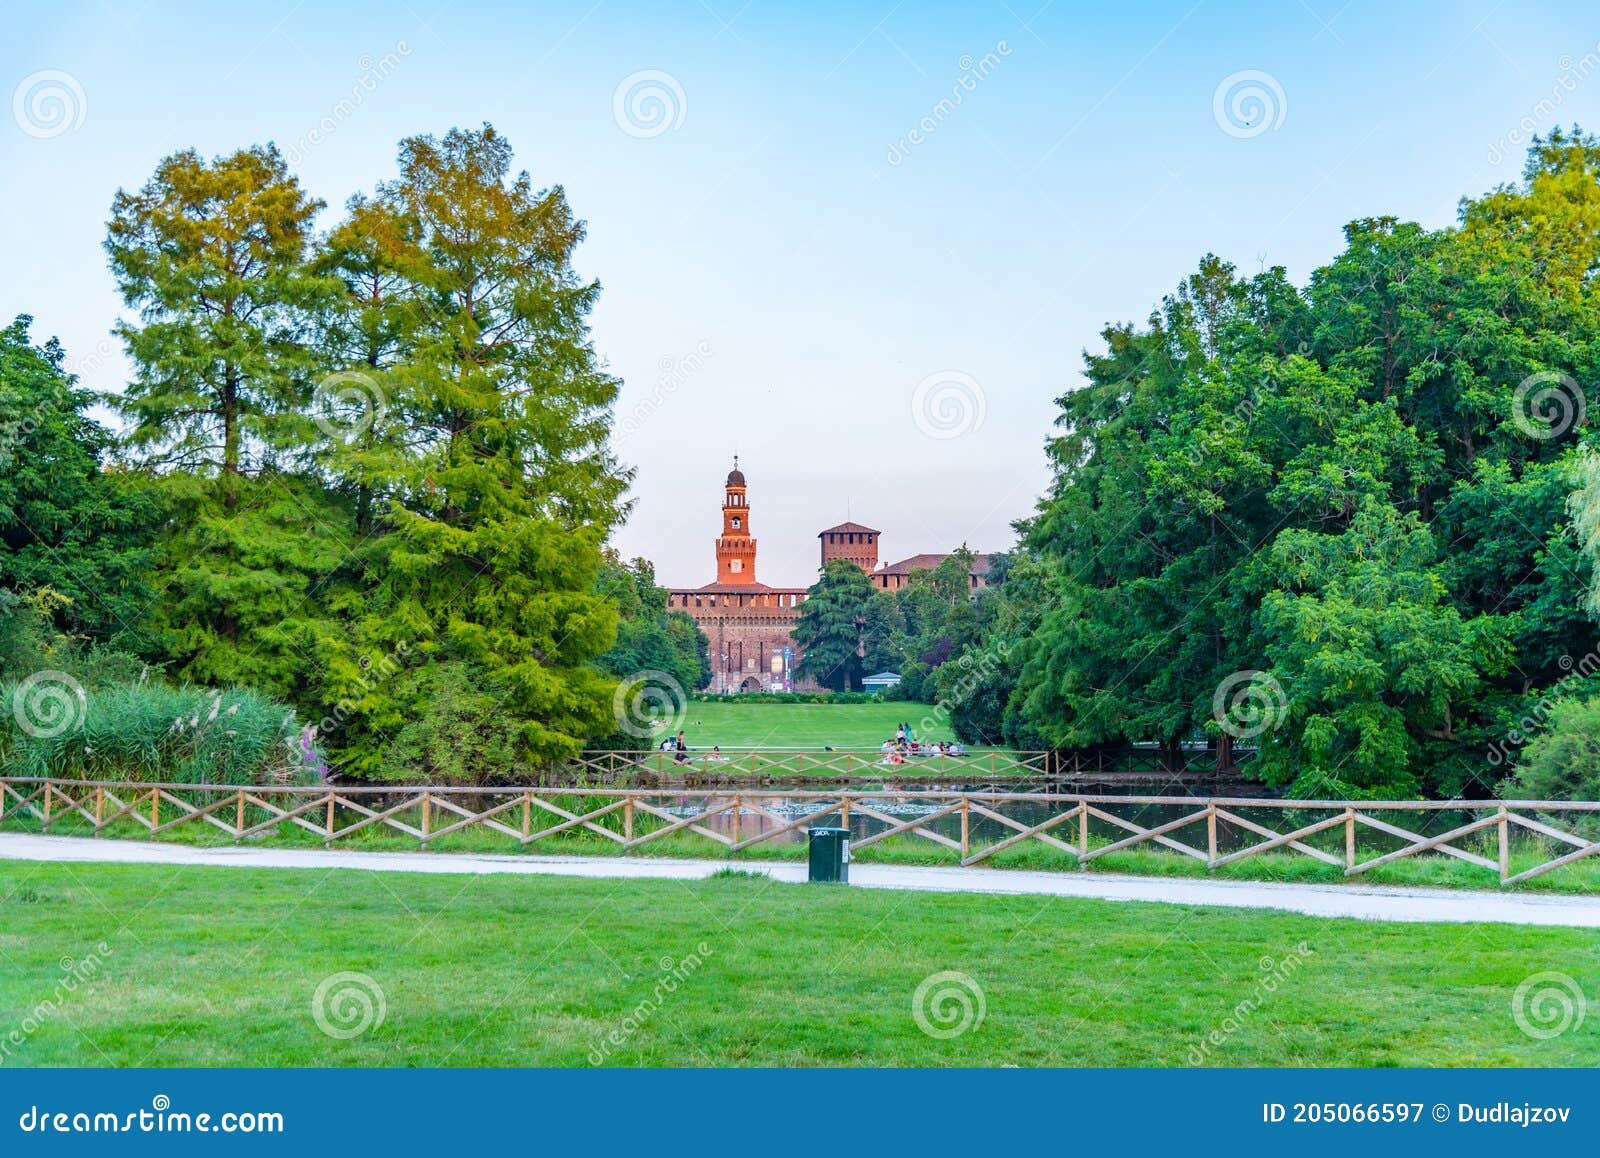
(211,255)
(651,639)
(499,493)
(831,627)
(366,334)
(67,525)
(1376,666)
(1563,761)
(1418,402)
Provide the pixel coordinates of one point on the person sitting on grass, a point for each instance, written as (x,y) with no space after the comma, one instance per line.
(680,750)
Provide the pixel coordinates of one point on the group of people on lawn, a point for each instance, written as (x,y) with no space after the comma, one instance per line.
(680,749)
(903,747)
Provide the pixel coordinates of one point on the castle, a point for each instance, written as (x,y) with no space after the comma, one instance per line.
(750,625)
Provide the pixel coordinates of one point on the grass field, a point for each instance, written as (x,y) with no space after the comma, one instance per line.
(763,725)
(218,966)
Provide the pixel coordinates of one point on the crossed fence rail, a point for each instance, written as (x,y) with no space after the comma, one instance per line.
(973,826)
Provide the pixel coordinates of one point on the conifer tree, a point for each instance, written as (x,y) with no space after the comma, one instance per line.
(498,488)
(211,256)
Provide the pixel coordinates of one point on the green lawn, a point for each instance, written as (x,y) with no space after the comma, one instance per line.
(219,966)
(763,725)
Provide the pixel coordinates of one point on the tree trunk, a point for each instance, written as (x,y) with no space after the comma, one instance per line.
(230,439)
(1224,751)
(1172,756)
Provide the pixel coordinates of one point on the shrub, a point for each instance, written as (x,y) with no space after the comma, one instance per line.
(462,734)
(1563,761)
(147,731)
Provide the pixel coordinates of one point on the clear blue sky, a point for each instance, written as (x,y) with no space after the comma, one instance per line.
(762,251)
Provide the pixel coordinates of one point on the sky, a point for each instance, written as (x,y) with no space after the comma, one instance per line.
(863,246)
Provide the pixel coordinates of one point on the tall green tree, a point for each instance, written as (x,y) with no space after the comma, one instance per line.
(1428,381)
(67,525)
(832,627)
(211,256)
(499,492)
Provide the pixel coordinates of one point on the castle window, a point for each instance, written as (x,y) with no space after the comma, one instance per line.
(735,522)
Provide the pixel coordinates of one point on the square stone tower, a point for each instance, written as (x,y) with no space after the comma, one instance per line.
(850,541)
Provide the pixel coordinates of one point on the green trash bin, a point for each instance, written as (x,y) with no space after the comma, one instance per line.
(829,851)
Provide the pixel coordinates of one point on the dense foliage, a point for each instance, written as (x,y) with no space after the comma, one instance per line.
(363,472)
(851,629)
(1349,529)
(1328,522)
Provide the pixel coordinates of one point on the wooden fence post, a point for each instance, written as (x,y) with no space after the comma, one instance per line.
(238,818)
(1349,838)
(425,807)
(527,815)
(1083,834)
(966,841)
(328,825)
(627,818)
(155,810)
(1211,834)
(1504,829)
(99,809)
(46,806)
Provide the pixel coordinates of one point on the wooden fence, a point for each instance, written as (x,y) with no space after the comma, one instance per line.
(814,764)
(970,826)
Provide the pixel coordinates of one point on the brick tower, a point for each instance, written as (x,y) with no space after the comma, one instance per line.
(736,550)
(850,541)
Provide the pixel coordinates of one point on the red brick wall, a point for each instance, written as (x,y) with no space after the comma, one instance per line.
(859,547)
